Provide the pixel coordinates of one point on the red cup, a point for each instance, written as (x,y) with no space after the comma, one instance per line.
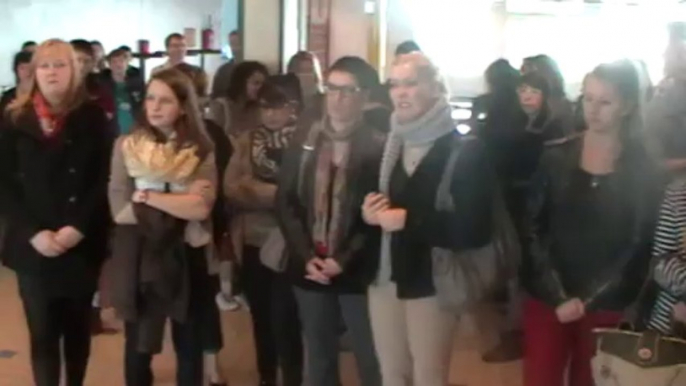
(144,47)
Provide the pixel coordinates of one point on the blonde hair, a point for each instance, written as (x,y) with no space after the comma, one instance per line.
(426,69)
(76,94)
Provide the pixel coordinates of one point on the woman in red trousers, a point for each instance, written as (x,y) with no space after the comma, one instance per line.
(593,204)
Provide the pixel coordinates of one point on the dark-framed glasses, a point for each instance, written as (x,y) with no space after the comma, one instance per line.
(346,91)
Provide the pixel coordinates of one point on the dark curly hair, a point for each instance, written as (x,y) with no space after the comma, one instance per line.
(239,79)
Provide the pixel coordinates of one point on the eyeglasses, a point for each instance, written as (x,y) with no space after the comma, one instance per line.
(273,106)
(346,91)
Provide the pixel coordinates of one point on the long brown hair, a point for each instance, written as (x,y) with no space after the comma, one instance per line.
(189,127)
(75,96)
(306,56)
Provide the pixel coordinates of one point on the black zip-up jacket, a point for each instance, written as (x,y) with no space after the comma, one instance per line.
(588,236)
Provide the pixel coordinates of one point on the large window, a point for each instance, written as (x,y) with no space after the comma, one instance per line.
(464,37)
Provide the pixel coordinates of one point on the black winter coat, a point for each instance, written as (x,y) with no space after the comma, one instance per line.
(49,184)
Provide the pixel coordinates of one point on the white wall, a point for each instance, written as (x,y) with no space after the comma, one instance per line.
(348,30)
(399,25)
(113,22)
(261,29)
(464,37)
(229,23)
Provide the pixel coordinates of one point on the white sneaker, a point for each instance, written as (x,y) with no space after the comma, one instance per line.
(231,304)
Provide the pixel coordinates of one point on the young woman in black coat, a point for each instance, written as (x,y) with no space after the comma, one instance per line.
(54,162)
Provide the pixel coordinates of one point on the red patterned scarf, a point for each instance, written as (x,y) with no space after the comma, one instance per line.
(50,123)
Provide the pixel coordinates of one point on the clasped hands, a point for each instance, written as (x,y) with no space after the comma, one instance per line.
(53,244)
(321,270)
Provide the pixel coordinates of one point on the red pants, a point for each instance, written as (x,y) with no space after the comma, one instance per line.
(550,347)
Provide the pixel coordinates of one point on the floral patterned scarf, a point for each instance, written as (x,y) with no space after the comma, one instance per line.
(329,189)
(51,124)
(155,161)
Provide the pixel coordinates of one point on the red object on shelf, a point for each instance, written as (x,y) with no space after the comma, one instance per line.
(144,46)
(207,38)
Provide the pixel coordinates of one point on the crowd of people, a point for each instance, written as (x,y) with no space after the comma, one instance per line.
(309,198)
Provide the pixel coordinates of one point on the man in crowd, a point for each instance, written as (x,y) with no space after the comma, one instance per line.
(131,71)
(86,58)
(222,78)
(176,51)
(126,86)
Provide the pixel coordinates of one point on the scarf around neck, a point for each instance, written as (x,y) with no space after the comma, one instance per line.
(147,158)
(266,150)
(51,124)
(434,124)
(330,187)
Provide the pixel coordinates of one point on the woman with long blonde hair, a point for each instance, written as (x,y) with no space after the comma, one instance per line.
(578,275)
(161,191)
(54,157)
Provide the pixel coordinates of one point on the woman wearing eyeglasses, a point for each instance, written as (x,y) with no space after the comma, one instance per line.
(332,252)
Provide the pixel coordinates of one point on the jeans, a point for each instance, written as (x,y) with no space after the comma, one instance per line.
(320,313)
(188,337)
(276,327)
(414,338)
(188,345)
(52,321)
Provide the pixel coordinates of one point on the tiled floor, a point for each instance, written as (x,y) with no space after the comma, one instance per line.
(236,359)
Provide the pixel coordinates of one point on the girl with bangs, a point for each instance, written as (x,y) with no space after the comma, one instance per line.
(162,190)
(54,157)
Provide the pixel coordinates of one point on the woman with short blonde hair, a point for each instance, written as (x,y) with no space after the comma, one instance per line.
(412,333)
(54,157)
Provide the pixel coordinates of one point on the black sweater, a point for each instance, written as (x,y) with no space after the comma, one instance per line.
(469,227)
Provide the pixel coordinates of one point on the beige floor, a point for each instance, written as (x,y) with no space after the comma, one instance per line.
(237,360)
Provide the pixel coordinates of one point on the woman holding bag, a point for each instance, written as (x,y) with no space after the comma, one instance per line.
(593,204)
(162,189)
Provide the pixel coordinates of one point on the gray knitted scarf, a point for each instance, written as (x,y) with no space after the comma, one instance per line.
(436,123)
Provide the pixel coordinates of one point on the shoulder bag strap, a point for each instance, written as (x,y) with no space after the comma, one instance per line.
(308,148)
(444,197)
